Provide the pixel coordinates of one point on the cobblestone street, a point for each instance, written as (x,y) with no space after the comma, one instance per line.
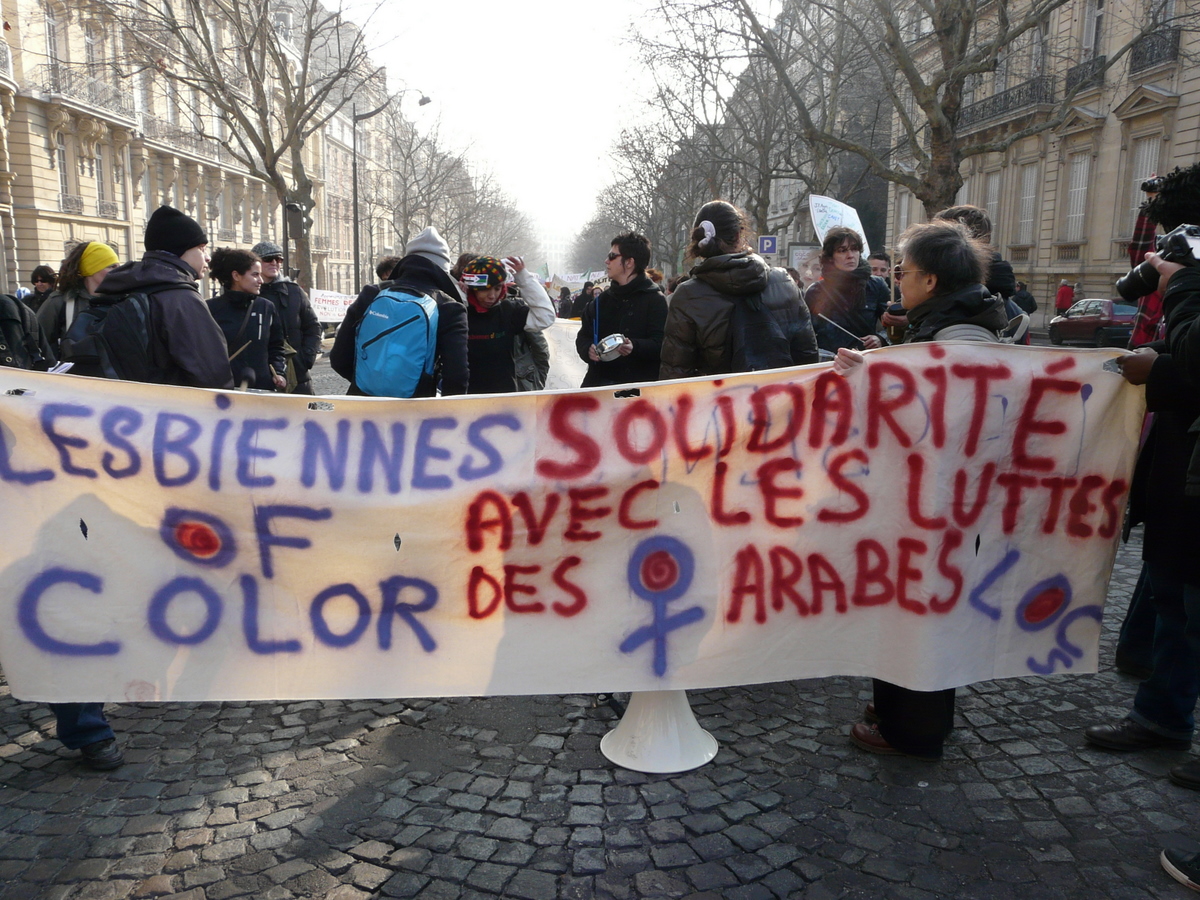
(463,798)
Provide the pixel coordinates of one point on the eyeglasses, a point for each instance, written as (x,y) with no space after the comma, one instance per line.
(899,272)
(273,259)
(42,281)
(613,256)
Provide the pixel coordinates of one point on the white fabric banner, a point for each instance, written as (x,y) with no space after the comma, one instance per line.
(947,514)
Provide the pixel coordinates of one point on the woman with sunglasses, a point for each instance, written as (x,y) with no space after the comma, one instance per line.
(43,280)
(941,276)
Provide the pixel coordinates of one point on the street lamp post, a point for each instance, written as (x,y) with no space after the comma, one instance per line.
(355,118)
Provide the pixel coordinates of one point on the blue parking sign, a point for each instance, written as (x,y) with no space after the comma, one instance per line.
(767,244)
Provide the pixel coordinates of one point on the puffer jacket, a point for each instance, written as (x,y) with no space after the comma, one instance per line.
(186,344)
(697,341)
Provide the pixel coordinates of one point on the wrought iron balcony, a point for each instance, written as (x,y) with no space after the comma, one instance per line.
(80,82)
(320,242)
(1154,49)
(1086,75)
(226,234)
(70,203)
(107,209)
(1034,92)
(6,68)
(183,138)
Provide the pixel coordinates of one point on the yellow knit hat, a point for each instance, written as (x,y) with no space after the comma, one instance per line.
(97,256)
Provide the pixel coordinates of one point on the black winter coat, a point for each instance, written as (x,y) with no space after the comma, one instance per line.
(301,329)
(637,310)
(419,274)
(186,345)
(854,300)
(258,345)
(696,339)
(1158,498)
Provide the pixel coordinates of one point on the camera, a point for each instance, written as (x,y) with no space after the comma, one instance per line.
(1152,185)
(1180,246)
(607,348)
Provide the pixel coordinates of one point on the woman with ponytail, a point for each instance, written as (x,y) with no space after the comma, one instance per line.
(734,313)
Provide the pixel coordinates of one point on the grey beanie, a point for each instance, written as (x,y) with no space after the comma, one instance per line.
(430,245)
(267,249)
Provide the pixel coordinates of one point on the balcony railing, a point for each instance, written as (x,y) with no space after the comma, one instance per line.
(107,209)
(1033,92)
(70,203)
(226,234)
(1154,49)
(5,60)
(182,138)
(79,82)
(320,242)
(1086,75)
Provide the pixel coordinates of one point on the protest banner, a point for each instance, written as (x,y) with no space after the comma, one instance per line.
(330,306)
(947,514)
(828,213)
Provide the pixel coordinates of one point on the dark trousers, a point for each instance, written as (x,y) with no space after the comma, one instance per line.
(1166,701)
(1135,645)
(304,387)
(915,722)
(80,724)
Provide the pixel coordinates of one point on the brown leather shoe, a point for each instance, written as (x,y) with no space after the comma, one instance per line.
(869,715)
(868,737)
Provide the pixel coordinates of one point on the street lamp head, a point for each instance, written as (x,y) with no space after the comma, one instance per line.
(423,101)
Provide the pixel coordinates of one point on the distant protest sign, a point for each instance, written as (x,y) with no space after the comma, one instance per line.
(827,213)
(947,514)
(330,306)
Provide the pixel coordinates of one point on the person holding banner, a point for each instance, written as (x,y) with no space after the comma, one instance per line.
(735,313)
(848,302)
(941,277)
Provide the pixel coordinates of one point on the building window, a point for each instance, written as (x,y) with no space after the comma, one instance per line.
(1143,162)
(1093,29)
(1028,204)
(901,210)
(64,181)
(1080,167)
(992,196)
(101,187)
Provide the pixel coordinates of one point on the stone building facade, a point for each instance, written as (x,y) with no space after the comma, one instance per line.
(1064,202)
(86,154)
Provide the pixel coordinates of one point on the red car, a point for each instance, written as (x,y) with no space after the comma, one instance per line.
(1094,323)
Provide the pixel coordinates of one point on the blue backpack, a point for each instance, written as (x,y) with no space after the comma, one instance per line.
(396,342)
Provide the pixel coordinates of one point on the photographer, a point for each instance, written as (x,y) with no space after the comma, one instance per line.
(1162,714)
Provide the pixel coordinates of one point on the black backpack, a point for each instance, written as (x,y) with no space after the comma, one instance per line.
(19,335)
(755,339)
(111,338)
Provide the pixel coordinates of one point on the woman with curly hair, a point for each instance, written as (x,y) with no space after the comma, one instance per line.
(78,278)
(253,333)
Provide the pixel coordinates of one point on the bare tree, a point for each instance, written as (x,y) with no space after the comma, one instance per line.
(266,75)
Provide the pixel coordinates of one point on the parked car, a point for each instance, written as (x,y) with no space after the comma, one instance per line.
(1094,323)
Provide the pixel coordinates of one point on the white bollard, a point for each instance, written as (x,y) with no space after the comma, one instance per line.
(659,733)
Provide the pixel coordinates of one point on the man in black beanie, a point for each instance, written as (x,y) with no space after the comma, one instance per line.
(187,346)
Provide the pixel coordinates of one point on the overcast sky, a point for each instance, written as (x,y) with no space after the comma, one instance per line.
(538,89)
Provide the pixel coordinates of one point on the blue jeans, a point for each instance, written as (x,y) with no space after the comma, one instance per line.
(1166,701)
(80,724)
